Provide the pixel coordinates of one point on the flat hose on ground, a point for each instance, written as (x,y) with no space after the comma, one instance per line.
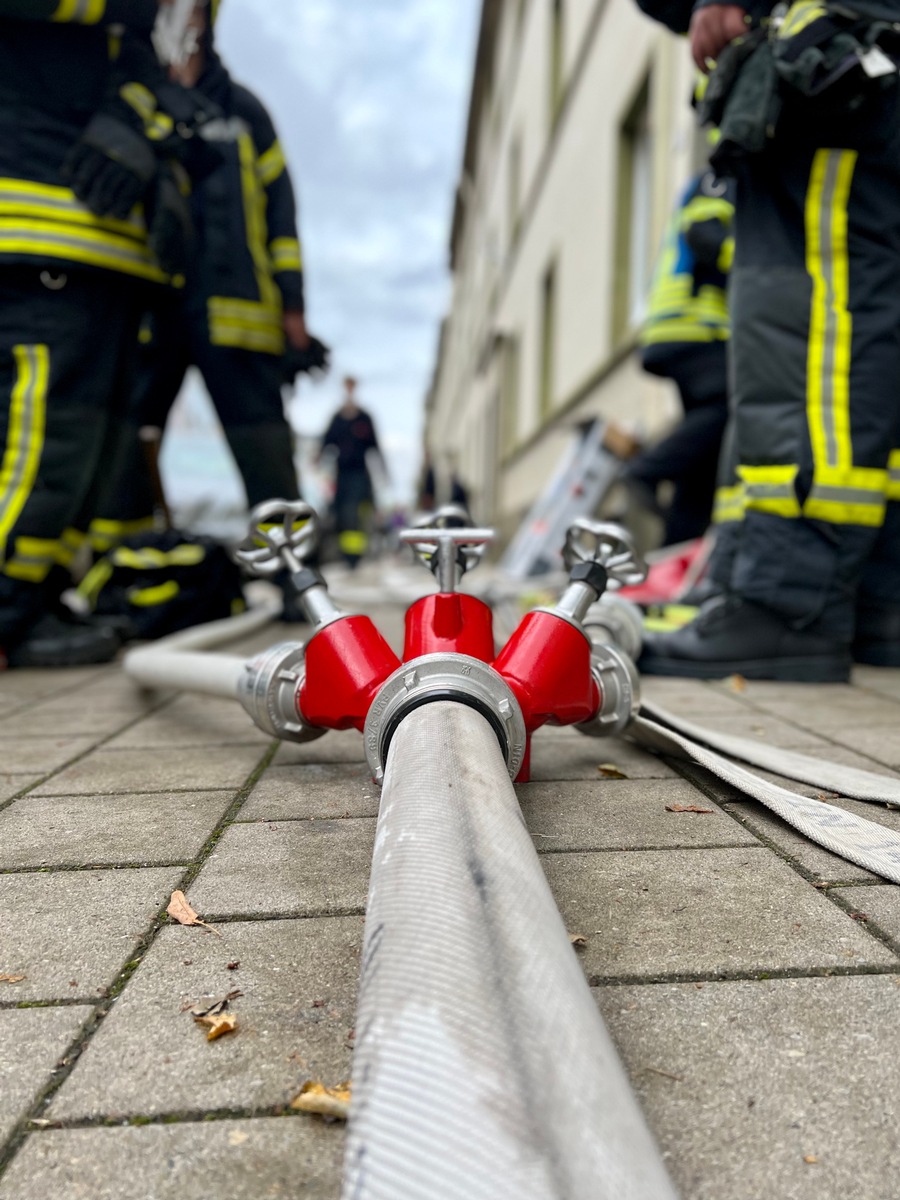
(482,1068)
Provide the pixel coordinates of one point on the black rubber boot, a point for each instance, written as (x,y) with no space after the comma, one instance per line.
(53,642)
(877,640)
(731,636)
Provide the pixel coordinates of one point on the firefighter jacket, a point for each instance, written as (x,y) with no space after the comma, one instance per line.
(249,266)
(57,58)
(687,301)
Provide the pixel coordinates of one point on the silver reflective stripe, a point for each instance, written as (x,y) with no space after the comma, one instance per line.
(51,241)
(846,495)
(25,429)
(826,244)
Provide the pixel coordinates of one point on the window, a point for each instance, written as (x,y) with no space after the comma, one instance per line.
(548,342)
(633,248)
(557,61)
(509,396)
(515,190)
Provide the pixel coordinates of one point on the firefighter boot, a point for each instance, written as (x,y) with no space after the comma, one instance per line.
(877,640)
(731,636)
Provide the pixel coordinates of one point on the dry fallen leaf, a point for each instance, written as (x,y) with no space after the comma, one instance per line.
(324,1102)
(218,1024)
(12,978)
(737,683)
(810,1158)
(611,771)
(209,1007)
(578,940)
(237,1137)
(179,910)
(687,808)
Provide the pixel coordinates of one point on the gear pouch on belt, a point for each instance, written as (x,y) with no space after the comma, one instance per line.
(163,582)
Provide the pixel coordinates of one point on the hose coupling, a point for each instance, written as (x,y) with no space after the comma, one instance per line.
(269,688)
(454,677)
(615,621)
(620,692)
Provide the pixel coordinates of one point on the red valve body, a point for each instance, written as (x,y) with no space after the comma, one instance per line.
(449,622)
(547,663)
(346,664)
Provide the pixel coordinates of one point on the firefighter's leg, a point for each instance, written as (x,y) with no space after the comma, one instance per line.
(816,354)
(353,506)
(245,387)
(127,502)
(61,342)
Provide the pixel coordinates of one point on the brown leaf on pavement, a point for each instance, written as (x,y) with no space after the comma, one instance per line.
(578,940)
(687,808)
(12,978)
(218,1024)
(209,1007)
(737,683)
(611,771)
(179,910)
(324,1102)
(810,1158)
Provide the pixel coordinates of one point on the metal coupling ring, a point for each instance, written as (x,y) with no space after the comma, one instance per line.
(268,691)
(613,620)
(455,677)
(620,692)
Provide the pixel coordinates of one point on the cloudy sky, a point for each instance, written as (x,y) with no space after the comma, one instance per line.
(369,98)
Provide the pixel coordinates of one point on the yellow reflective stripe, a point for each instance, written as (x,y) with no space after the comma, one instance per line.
(82,12)
(42,202)
(831,324)
(892,490)
(707,208)
(682,329)
(251,311)
(157,125)
(95,580)
(44,552)
(285,255)
(271,164)
(799,15)
(150,559)
(25,434)
(245,324)
(353,541)
(245,338)
(725,260)
(149,597)
(93,247)
(770,489)
(728,505)
(839,513)
(254,215)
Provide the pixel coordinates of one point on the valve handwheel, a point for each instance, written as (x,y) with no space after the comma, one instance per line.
(282,533)
(605,543)
(446,543)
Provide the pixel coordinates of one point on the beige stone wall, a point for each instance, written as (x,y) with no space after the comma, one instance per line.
(570,182)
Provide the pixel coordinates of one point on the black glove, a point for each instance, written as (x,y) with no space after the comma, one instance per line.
(315,359)
(170,229)
(110,166)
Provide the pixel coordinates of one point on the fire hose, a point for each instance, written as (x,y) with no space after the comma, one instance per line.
(482,1067)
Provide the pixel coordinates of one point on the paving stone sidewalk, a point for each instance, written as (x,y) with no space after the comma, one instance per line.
(750,979)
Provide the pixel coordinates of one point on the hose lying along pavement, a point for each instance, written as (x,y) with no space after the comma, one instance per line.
(482,1067)
(866,843)
(177,662)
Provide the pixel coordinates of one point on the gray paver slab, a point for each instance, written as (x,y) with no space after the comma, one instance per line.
(880,742)
(344,746)
(693,698)
(703,913)
(56,719)
(181,769)
(877,679)
(71,933)
(40,831)
(192,721)
(742,1081)
(11,785)
(281,1158)
(564,754)
(824,865)
(772,730)
(880,904)
(304,868)
(299,982)
(26,686)
(325,791)
(39,755)
(624,814)
(32,1040)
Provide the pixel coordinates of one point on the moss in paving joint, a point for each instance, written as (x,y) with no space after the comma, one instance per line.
(773,975)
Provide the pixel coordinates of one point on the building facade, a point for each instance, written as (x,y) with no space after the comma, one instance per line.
(579,138)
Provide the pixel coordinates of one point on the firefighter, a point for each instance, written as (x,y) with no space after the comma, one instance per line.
(242,307)
(92,180)
(684,338)
(807,105)
(352,440)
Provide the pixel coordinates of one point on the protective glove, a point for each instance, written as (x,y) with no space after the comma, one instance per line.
(110,166)
(314,359)
(170,228)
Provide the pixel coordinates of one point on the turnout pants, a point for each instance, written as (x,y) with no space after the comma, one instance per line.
(67,343)
(812,522)
(245,388)
(352,507)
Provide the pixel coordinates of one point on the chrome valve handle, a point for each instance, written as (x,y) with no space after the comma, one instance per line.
(438,539)
(605,543)
(282,534)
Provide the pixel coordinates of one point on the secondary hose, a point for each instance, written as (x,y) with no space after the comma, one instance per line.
(482,1067)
